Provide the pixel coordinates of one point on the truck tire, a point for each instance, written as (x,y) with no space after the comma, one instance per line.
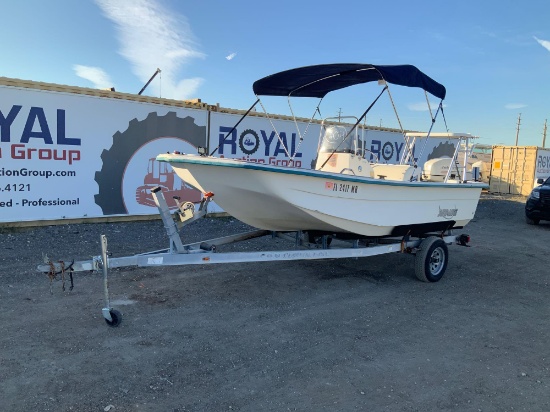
(530,221)
(125,144)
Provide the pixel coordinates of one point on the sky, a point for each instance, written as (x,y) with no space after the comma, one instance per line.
(493,56)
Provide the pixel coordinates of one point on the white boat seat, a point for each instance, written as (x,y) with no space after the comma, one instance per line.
(392,172)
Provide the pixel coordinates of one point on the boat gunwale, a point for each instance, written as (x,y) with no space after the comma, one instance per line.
(237,163)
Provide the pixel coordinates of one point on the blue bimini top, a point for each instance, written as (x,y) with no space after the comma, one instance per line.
(319,80)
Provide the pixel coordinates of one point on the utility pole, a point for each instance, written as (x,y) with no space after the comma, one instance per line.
(517,131)
(544,135)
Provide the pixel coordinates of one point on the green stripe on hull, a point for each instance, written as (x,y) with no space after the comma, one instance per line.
(312,173)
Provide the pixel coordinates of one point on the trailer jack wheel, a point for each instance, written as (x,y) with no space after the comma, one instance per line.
(431,259)
(116,318)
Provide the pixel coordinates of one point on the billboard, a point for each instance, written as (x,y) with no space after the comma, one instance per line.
(542,170)
(65,155)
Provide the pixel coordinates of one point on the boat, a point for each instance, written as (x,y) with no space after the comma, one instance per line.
(348,191)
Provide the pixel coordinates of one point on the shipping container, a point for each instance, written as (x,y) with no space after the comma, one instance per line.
(516,169)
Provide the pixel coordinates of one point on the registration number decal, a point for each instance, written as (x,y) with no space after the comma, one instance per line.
(341,187)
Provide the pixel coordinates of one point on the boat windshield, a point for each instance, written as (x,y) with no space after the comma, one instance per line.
(334,140)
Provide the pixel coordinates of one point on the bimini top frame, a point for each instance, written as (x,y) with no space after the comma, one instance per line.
(319,80)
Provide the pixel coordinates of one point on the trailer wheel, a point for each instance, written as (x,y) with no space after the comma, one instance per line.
(431,260)
(116,317)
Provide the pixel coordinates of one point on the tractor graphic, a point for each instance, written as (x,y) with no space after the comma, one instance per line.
(161,174)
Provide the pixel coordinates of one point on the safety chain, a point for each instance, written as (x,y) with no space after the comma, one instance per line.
(52,274)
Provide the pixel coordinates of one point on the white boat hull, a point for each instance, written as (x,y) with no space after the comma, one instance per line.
(287,199)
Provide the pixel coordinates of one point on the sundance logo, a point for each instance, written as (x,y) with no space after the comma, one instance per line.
(447,213)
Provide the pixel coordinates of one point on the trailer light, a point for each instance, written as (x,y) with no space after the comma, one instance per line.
(176,152)
(463,240)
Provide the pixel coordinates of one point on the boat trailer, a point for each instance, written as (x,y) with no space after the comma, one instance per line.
(431,252)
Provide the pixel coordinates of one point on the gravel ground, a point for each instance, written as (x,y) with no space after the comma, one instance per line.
(337,335)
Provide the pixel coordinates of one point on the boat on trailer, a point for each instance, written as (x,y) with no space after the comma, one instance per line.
(348,191)
(348,205)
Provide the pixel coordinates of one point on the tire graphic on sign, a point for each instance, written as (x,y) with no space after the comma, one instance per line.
(387,150)
(249,141)
(139,132)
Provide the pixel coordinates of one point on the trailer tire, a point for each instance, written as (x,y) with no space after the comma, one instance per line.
(116,317)
(431,259)
(125,144)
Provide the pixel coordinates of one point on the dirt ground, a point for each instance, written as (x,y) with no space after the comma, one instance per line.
(339,335)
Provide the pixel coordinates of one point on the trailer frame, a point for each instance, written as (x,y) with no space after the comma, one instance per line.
(431,250)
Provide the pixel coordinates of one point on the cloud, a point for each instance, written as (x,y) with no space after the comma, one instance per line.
(513,106)
(491,34)
(188,87)
(543,43)
(150,37)
(423,106)
(231,56)
(96,75)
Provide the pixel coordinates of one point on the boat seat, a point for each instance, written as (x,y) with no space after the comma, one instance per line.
(392,172)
